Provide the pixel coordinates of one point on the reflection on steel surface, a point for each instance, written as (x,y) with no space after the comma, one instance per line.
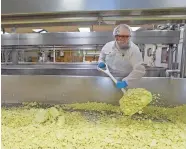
(70,89)
(68,69)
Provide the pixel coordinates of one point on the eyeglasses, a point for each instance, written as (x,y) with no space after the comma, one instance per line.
(122,38)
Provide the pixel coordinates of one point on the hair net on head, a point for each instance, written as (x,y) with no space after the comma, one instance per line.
(121,27)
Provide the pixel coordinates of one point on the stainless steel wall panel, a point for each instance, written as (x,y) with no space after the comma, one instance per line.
(10,39)
(91,38)
(155,37)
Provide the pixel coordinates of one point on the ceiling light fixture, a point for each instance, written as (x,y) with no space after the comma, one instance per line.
(135,28)
(4,32)
(43,31)
(39,30)
(84,29)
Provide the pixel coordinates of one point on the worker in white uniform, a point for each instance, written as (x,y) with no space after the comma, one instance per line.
(123,57)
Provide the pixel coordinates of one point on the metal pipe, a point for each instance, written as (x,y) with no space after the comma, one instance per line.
(93,19)
(176,54)
(170,58)
(14,56)
(6,53)
(183,57)
(54,54)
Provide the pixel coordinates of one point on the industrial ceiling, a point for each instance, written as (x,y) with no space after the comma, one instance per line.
(68,15)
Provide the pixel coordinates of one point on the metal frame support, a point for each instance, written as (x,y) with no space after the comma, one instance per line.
(170,60)
(183,57)
(15,56)
(54,54)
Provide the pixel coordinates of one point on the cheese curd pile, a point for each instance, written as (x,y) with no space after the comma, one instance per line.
(92,126)
(134,100)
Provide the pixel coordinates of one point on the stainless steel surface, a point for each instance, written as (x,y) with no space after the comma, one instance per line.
(51,66)
(155,72)
(73,69)
(173,70)
(52,69)
(176,55)
(183,57)
(66,89)
(172,73)
(59,47)
(59,22)
(15,56)
(42,6)
(91,38)
(32,21)
(170,57)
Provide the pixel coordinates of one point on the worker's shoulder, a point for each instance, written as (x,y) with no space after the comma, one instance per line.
(108,46)
(111,43)
(134,48)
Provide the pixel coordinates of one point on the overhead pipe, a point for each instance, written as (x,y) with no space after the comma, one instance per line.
(93,19)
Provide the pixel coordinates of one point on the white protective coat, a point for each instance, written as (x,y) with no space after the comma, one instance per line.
(123,63)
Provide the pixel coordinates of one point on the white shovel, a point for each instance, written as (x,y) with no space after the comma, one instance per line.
(106,71)
(131,108)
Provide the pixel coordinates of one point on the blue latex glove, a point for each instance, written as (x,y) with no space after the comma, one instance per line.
(121,84)
(101,65)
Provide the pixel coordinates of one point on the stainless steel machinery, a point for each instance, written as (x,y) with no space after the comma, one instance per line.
(79,82)
(58,68)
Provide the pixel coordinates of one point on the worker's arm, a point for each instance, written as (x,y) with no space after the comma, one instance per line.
(102,56)
(138,69)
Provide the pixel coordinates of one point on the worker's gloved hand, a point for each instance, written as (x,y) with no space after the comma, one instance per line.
(121,84)
(101,65)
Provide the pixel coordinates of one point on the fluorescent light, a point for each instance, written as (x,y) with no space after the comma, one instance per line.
(135,28)
(37,30)
(84,29)
(43,31)
(4,33)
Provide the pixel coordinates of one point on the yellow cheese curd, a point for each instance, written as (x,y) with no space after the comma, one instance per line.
(55,127)
(134,100)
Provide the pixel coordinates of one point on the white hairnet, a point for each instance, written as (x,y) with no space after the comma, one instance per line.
(120,27)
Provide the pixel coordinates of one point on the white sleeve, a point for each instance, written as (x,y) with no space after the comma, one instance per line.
(138,69)
(102,55)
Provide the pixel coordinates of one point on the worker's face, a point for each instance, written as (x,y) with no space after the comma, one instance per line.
(123,39)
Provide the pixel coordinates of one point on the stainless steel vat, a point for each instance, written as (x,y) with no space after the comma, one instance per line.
(78,69)
(155,72)
(70,89)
